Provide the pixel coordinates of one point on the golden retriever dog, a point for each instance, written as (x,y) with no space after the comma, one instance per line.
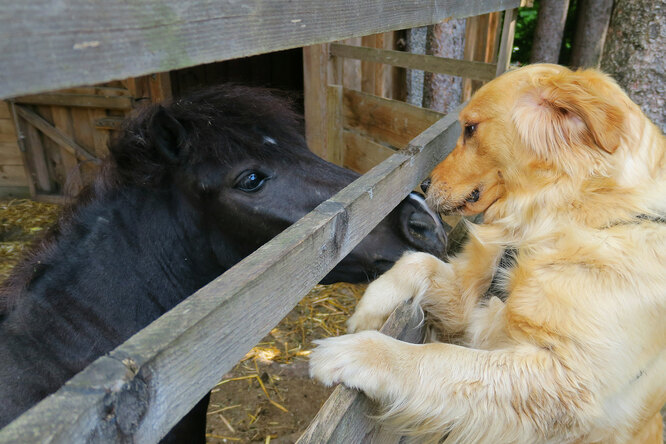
(554,313)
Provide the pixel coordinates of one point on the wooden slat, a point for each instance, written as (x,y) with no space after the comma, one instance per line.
(105,91)
(385,120)
(47,45)
(4,110)
(362,153)
(13,176)
(7,131)
(506,43)
(149,382)
(35,157)
(62,120)
(335,144)
(315,83)
(441,65)
(77,100)
(20,140)
(345,416)
(54,134)
(10,154)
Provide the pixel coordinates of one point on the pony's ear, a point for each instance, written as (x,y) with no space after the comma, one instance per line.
(168,134)
(568,110)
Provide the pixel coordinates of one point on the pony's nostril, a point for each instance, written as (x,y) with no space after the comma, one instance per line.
(425,185)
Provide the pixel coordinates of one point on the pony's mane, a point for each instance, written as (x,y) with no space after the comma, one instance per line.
(224,124)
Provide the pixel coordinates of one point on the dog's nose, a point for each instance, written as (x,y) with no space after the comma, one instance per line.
(425,185)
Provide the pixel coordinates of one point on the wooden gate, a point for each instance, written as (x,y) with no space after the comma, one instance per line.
(63,135)
(142,388)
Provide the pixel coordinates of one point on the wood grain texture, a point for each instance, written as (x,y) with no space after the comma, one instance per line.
(441,65)
(389,121)
(46,45)
(4,110)
(362,153)
(7,131)
(144,386)
(54,133)
(78,100)
(344,417)
(12,176)
(10,154)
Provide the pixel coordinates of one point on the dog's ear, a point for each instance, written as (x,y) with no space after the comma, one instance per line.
(568,110)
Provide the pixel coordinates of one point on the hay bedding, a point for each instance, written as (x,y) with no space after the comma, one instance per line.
(268,396)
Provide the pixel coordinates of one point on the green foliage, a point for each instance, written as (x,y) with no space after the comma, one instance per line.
(525,27)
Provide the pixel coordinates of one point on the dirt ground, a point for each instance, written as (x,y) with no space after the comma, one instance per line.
(268,396)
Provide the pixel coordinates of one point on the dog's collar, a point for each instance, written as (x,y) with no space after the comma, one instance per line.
(508,259)
(506,263)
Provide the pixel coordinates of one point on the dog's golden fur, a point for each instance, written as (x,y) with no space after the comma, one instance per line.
(572,175)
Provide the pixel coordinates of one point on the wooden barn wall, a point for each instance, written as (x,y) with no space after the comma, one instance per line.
(13,180)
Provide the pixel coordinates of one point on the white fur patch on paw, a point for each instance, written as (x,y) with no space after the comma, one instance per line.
(356,360)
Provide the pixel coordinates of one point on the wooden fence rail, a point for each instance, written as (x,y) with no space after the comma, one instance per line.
(46,45)
(441,65)
(147,384)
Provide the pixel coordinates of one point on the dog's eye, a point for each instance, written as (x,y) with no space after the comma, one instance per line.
(470,129)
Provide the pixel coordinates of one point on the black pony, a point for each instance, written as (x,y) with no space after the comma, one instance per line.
(189,190)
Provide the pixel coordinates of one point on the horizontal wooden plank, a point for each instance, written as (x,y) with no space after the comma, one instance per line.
(77,100)
(10,154)
(440,65)
(14,192)
(12,176)
(346,416)
(166,368)
(362,153)
(104,91)
(46,45)
(389,121)
(54,133)
(7,131)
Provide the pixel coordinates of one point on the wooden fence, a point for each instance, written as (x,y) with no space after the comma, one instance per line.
(142,388)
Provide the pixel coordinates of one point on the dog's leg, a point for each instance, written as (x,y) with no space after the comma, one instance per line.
(413,276)
(519,394)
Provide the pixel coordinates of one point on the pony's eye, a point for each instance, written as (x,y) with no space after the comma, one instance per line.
(250,181)
(470,129)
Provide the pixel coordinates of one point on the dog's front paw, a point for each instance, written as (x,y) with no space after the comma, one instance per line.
(354,360)
(380,299)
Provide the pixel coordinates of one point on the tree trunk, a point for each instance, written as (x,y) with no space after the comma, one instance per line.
(634,53)
(549,30)
(588,44)
(442,92)
(416,38)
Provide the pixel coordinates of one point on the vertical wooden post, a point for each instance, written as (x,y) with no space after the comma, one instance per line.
(159,85)
(315,81)
(334,124)
(481,39)
(506,45)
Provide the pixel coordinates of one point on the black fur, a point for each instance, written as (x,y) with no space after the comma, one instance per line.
(164,217)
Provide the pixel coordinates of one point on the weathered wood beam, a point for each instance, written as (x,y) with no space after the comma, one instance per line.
(440,65)
(506,43)
(77,100)
(345,416)
(142,388)
(46,45)
(54,133)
